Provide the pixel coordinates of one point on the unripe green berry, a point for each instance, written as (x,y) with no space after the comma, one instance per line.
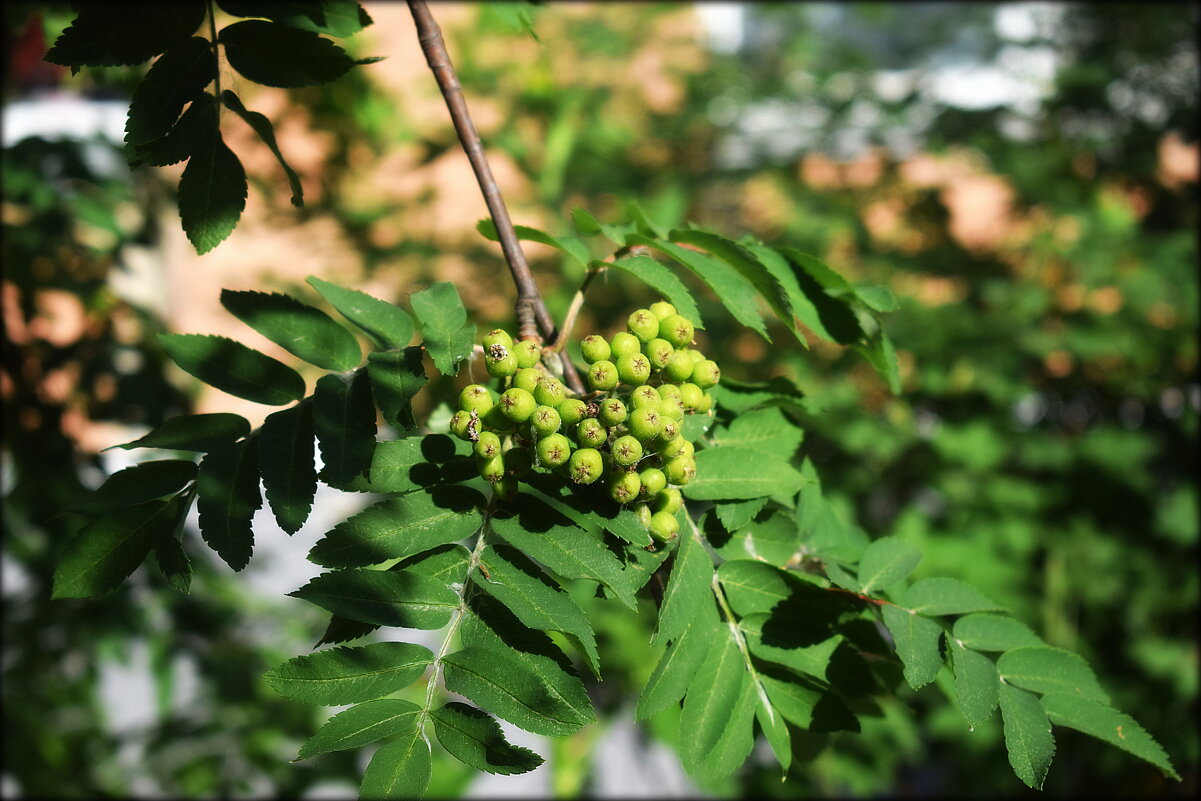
(676,329)
(691,395)
(612,412)
(459,423)
(475,397)
(572,411)
(705,405)
(517,404)
(680,470)
(585,465)
(645,396)
(670,391)
(590,433)
(527,378)
(502,365)
(623,486)
(493,469)
(658,351)
(670,500)
(672,449)
(662,309)
(645,423)
(550,392)
(653,482)
(705,374)
(517,462)
(528,353)
(505,488)
(664,526)
(679,366)
(487,446)
(595,348)
(554,450)
(545,420)
(643,325)
(633,368)
(626,450)
(643,512)
(602,375)
(497,336)
(624,342)
(670,432)
(672,409)
(496,420)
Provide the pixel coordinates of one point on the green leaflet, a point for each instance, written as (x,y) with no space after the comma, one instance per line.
(386,598)
(141,482)
(117,34)
(585,513)
(266,132)
(400,769)
(885,562)
(331,17)
(1050,670)
(277,55)
(404,465)
(739,396)
(806,704)
(825,533)
(286,464)
(515,581)
(768,430)
(169,551)
(1106,723)
(343,629)
(984,632)
(689,588)
(588,225)
(545,535)
(663,281)
(360,725)
(344,422)
(194,432)
(175,80)
(350,675)
(795,303)
(828,313)
(387,325)
(234,368)
(753,586)
(736,514)
(775,730)
(395,378)
(712,699)
(503,685)
(307,333)
(773,539)
(227,487)
(446,332)
(400,527)
(678,664)
(109,548)
(570,245)
(975,683)
(196,129)
(493,627)
(1028,737)
(916,638)
(737,473)
(784,639)
(947,596)
(446,563)
(880,354)
(475,738)
(212,194)
(735,292)
(738,736)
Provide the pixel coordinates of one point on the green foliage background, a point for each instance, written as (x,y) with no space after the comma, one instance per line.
(1043,448)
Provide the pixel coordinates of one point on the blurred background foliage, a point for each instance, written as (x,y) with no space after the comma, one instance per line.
(1023,176)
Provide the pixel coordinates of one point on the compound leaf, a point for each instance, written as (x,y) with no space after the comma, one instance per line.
(344,422)
(885,562)
(389,326)
(175,80)
(194,432)
(350,675)
(400,769)
(473,737)
(1028,737)
(1106,723)
(385,598)
(227,486)
(916,638)
(108,549)
(738,473)
(447,334)
(360,725)
(278,55)
(1050,670)
(119,34)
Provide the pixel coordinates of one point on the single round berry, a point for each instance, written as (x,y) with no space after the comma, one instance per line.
(653,482)
(493,469)
(585,465)
(645,423)
(624,342)
(691,395)
(679,366)
(659,352)
(633,368)
(517,462)
(612,412)
(590,433)
(545,420)
(664,526)
(602,375)
(623,486)
(670,500)
(459,423)
(505,488)
(680,470)
(705,405)
(497,336)
(674,448)
(527,378)
(643,324)
(475,398)
(645,396)
(487,446)
(595,348)
(676,329)
(626,450)
(670,433)
(643,512)
(554,450)
(496,420)
(572,411)
(662,309)
(528,353)
(550,392)
(705,374)
(672,409)
(670,391)
(500,366)
(517,404)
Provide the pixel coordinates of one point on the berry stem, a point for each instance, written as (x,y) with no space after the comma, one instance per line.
(573,310)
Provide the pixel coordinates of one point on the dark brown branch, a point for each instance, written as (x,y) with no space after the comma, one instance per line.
(531,311)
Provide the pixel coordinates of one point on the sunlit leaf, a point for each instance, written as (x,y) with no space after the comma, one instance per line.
(388,326)
(475,738)
(350,675)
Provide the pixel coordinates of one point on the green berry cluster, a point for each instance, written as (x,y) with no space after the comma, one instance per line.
(623,436)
